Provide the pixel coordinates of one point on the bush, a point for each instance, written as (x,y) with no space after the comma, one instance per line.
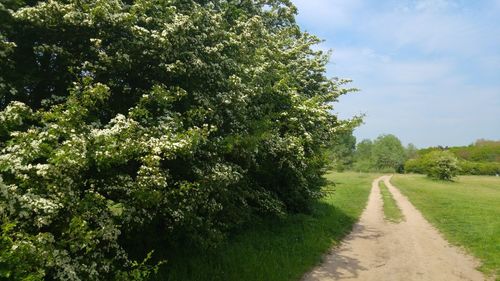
(479,168)
(441,165)
(364,166)
(178,118)
(420,166)
(416,165)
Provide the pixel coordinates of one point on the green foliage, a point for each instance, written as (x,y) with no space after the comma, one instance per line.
(129,121)
(364,150)
(481,151)
(386,153)
(441,165)
(482,158)
(479,168)
(341,152)
(411,151)
(416,165)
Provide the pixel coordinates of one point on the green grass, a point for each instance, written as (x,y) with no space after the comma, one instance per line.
(392,212)
(279,249)
(467,212)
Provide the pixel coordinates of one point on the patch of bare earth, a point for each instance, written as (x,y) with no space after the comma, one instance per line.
(380,250)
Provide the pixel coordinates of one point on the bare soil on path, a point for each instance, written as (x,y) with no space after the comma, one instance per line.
(409,250)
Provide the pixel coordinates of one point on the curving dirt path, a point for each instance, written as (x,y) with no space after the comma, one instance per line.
(379,250)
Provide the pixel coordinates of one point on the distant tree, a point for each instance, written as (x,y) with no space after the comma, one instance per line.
(388,153)
(364,150)
(342,151)
(411,151)
(363,156)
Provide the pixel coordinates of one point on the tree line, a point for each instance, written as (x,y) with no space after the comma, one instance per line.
(479,158)
(386,153)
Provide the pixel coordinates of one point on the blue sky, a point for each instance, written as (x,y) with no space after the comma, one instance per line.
(428,70)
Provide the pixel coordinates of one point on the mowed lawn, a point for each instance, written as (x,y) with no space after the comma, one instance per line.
(466,211)
(279,249)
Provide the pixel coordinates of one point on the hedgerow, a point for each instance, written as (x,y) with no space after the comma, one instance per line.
(437,164)
(185,118)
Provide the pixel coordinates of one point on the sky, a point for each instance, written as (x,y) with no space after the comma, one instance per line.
(428,70)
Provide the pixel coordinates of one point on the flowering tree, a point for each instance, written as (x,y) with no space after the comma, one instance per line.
(441,165)
(185,117)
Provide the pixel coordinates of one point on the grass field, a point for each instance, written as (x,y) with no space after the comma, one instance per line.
(466,211)
(279,249)
(392,212)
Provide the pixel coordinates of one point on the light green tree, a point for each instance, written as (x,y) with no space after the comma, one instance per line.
(363,156)
(388,153)
(411,151)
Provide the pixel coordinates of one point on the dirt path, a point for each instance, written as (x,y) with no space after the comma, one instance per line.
(410,250)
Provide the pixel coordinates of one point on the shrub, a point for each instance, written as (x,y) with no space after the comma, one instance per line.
(364,166)
(442,165)
(416,165)
(181,118)
(479,168)
(420,165)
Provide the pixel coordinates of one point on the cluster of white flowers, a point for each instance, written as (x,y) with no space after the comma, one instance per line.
(151,177)
(10,161)
(72,154)
(27,205)
(13,114)
(115,127)
(66,266)
(225,173)
(8,204)
(166,145)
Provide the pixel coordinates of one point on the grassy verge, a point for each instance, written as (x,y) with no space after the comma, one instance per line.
(466,211)
(392,212)
(279,249)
